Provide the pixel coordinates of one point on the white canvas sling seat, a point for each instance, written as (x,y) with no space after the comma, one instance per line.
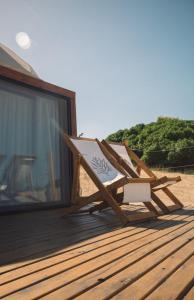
(106,174)
(137,192)
(97,161)
(125,155)
(121,150)
(158,184)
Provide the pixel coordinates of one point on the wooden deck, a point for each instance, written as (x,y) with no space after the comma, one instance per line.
(43,255)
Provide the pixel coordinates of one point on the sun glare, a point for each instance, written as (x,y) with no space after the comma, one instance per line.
(23,40)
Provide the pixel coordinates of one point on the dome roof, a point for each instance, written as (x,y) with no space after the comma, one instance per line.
(10,59)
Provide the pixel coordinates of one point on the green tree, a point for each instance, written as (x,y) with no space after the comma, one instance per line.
(166,142)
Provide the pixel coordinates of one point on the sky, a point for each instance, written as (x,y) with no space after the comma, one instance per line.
(129,61)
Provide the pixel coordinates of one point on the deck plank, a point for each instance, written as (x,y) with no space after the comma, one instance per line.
(88,256)
(177,285)
(91,280)
(190,294)
(51,244)
(150,281)
(52,278)
(98,232)
(124,278)
(133,233)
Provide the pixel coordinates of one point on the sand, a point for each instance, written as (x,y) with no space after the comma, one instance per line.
(183,190)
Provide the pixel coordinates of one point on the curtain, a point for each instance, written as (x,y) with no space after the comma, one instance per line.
(29,146)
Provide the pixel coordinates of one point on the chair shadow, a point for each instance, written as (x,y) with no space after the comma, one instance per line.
(30,236)
(34,235)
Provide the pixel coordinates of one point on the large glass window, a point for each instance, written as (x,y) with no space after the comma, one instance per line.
(30,160)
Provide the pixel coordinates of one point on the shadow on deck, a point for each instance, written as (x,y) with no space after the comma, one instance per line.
(37,248)
(36,234)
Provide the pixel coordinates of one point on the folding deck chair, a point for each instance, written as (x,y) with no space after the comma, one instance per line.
(107,175)
(124,155)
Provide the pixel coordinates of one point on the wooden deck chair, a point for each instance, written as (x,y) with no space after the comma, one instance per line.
(124,155)
(107,175)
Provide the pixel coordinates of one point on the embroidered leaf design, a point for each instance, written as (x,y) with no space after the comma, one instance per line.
(100,165)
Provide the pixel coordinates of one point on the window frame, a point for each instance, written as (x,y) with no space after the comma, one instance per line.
(70,97)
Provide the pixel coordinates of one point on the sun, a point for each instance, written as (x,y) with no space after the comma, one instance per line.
(23,40)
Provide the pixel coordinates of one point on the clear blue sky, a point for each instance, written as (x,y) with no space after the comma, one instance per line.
(129,61)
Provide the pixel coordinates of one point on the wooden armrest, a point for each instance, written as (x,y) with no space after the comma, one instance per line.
(176,178)
(159,181)
(165,179)
(140,180)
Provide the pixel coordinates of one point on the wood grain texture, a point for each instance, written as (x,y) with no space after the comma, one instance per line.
(84,257)
(190,294)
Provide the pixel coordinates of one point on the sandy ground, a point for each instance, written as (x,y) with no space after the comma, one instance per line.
(183,190)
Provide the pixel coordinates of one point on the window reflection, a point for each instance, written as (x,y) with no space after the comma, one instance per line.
(29,146)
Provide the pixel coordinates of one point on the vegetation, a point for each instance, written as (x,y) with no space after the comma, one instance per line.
(164,143)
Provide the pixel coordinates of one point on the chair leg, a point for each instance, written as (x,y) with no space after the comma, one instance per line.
(109,199)
(160,204)
(142,216)
(151,207)
(173,197)
(104,205)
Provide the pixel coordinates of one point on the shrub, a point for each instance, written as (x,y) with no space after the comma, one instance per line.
(164,143)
